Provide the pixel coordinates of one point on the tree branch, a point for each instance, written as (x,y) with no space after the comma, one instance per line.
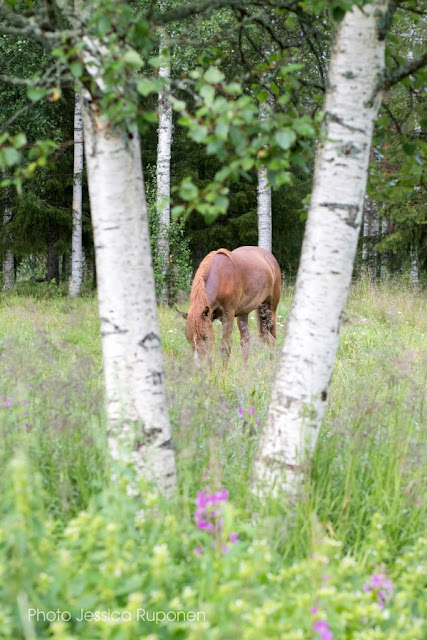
(18,25)
(405,70)
(180,13)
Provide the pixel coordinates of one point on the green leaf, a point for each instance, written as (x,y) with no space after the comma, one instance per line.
(285,138)
(11,156)
(188,190)
(207,92)
(133,59)
(213,75)
(177,211)
(103,25)
(76,68)
(19,141)
(145,86)
(36,93)
(303,127)
(199,134)
(290,68)
(221,202)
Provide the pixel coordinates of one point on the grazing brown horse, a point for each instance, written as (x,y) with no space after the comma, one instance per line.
(229,284)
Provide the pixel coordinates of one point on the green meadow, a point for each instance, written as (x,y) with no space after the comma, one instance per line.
(80,558)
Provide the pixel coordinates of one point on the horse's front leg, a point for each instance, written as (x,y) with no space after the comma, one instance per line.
(227,329)
(242,323)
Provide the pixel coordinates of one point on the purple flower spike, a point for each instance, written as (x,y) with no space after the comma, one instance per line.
(8,403)
(198,550)
(322,627)
(204,525)
(209,516)
(241,412)
(201,500)
(252,411)
(314,610)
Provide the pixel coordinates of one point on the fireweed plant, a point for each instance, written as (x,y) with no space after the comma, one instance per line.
(209,517)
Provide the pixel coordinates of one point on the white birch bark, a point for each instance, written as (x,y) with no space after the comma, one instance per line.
(76,246)
(366,232)
(9,259)
(163,167)
(139,428)
(264,198)
(302,383)
(414,273)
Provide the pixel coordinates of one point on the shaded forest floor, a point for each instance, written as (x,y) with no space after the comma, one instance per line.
(349,556)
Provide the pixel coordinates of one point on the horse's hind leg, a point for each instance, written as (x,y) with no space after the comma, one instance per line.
(267,322)
(242,323)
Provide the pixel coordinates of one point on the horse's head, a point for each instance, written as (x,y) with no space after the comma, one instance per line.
(199,333)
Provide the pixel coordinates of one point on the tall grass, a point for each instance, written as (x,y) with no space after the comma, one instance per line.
(369,457)
(367,472)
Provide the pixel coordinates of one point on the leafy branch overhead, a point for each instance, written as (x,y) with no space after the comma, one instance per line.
(109,49)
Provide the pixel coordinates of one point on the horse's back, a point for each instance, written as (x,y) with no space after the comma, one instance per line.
(260,276)
(256,258)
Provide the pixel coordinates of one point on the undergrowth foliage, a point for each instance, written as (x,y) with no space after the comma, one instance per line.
(80,557)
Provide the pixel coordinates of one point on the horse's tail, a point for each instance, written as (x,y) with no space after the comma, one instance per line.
(198,297)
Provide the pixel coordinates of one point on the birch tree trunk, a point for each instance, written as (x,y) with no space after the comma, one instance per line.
(366,233)
(163,167)
(302,383)
(414,273)
(9,259)
(264,197)
(139,428)
(77,247)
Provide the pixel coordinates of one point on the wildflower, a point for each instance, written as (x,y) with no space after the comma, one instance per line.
(207,520)
(322,627)
(208,517)
(251,411)
(198,550)
(382,585)
(241,412)
(8,403)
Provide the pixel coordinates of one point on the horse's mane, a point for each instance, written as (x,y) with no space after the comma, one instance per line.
(198,298)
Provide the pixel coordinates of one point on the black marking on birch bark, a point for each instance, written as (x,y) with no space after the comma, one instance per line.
(112,228)
(115,327)
(324,395)
(272,462)
(150,342)
(352,210)
(156,377)
(384,19)
(332,117)
(148,437)
(349,149)
(167,444)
